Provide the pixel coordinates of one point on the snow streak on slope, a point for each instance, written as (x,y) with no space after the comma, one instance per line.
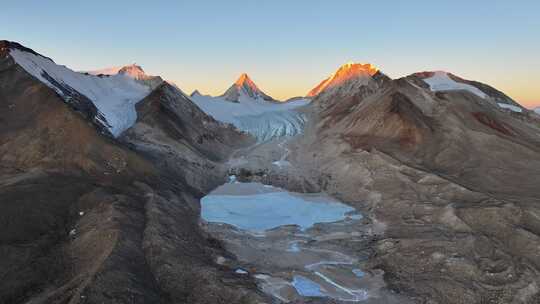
(537,110)
(510,107)
(440,81)
(115,96)
(262,119)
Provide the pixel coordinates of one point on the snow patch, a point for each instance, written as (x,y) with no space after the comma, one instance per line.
(232,179)
(293,247)
(359,273)
(510,107)
(115,97)
(440,81)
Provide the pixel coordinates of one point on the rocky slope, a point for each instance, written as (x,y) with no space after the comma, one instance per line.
(90,219)
(448,175)
(98,209)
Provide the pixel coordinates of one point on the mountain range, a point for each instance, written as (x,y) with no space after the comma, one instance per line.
(102,173)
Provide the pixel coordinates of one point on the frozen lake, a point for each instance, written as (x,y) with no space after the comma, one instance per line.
(302,245)
(258,208)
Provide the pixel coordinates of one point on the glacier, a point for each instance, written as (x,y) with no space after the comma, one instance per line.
(261,118)
(115,96)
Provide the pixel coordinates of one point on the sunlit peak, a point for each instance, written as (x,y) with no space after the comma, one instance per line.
(346,72)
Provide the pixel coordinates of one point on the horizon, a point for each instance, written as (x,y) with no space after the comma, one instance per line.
(491,43)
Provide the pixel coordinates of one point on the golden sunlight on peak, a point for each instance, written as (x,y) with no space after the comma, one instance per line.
(346,72)
(243,79)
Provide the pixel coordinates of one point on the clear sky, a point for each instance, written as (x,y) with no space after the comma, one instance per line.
(287,47)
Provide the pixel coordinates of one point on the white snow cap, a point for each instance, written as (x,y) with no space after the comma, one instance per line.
(115,96)
(440,81)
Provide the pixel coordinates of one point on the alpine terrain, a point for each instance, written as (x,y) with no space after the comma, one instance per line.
(117,187)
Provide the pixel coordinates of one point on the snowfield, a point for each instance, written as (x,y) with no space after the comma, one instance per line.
(440,81)
(115,96)
(263,119)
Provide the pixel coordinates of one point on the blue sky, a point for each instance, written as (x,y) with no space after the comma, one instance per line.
(287,47)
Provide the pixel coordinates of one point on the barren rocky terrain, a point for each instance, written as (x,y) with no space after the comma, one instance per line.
(442,186)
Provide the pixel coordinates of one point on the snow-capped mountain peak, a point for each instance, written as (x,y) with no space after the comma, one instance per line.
(443,81)
(244,86)
(132,70)
(345,73)
(113,97)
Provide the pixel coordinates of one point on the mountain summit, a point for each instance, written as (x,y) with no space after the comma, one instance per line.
(244,86)
(133,71)
(344,74)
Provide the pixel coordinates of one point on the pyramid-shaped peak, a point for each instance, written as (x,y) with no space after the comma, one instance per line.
(244,86)
(245,80)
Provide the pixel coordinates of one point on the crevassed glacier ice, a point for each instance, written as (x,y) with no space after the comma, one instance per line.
(264,120)
(272,124)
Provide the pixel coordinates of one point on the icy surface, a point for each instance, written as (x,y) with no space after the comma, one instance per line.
(293,247)
(510,107)
(537,110)
(359,273)
(115,96)
(266,208)
(306,287)
(440,81)
(261,118)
